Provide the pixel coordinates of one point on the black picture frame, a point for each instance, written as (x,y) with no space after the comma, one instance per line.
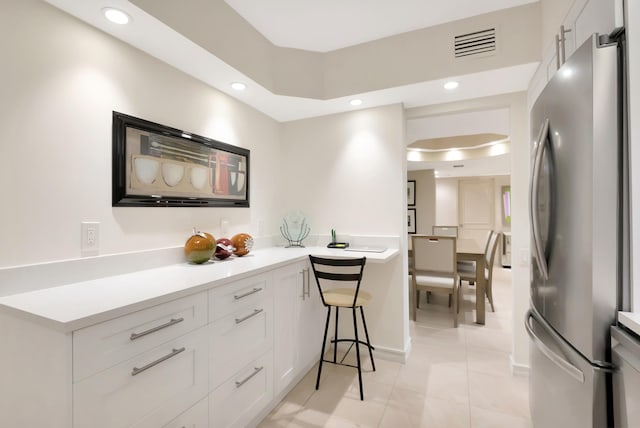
(159,166)
(411,193)
(411,220)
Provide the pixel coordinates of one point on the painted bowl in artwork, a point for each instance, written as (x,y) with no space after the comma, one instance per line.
(146,169)
(172,173)
(198,177)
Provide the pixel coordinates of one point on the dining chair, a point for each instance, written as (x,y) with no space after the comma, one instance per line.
(469,274)
(445,231)
(434,269)
(339,283)
(470,265)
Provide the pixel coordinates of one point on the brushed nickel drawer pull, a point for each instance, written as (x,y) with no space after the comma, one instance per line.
(248,293)
(252,314)
(173,353)
(256,370)
(173,321)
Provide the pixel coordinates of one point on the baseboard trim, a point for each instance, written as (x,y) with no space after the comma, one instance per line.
(393,354)
(518,369)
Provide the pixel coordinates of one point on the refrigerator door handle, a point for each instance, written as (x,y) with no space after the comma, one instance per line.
(558,360)
(538,252)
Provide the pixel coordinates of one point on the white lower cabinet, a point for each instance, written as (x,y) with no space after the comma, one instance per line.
(195,417)
(147,390)
(299,323)
(214,359)
(242,397)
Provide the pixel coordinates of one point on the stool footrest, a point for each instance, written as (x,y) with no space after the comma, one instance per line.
(341,364)
(354,341)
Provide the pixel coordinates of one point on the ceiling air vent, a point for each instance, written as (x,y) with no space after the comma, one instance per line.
(478,43)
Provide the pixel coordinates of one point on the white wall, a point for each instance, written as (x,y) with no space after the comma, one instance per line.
(348,172)
(61,81)
(425,199)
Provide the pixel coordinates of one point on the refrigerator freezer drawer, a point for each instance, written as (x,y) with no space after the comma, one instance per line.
(626,381)
(563,382)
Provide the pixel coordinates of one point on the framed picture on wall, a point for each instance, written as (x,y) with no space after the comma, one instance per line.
(411,220)
(411,193)
(158,166)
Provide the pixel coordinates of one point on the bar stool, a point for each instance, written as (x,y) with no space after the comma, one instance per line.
(326,272)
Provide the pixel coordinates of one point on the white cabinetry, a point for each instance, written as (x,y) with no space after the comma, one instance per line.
(173,347)
(241,357)
(241,326)
(141,370)
(585,18)
(299,323)
(243,396)
(195,417)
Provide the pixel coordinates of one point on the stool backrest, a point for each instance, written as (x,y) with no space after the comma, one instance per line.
(326,271)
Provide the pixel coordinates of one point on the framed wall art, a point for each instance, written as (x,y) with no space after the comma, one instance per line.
(411,193)
(411,220)
(155,165)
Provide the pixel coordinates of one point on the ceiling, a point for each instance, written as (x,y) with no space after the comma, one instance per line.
(333,24)
(314,26)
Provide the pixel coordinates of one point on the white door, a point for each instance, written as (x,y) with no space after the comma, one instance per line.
(475,208)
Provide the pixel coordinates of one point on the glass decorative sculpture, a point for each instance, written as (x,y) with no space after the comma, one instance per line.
(294,229)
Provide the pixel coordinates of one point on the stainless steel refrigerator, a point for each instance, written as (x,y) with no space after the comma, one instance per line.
(579,227)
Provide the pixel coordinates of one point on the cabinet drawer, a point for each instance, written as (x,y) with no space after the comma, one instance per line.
(226,299)
(147,390)
(239,338)
(106,344)
(195,417)
(237,401)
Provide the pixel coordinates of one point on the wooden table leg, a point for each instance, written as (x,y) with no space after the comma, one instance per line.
(480,286)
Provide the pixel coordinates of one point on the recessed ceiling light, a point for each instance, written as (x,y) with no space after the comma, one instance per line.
(451,85)
(116,15)
(355,102)
(238,86)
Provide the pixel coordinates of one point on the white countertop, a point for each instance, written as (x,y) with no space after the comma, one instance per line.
(73,306)
(630,320)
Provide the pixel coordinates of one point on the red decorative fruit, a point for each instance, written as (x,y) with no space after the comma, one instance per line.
(224,248)
(243,243)
(199,247)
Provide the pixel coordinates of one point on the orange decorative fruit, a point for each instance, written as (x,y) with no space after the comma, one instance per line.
(243,243)
(199,247)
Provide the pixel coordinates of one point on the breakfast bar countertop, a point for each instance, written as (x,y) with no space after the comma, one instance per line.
(77,305)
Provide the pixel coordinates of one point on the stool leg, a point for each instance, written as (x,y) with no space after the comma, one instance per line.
(355,329)
(366,333)
(324,342)
(335,338)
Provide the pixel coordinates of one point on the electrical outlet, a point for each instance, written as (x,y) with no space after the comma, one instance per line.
(224,228)
(89,238)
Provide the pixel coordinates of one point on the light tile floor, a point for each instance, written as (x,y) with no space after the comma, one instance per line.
(453,377)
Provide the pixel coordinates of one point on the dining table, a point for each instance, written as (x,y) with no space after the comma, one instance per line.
(469,249)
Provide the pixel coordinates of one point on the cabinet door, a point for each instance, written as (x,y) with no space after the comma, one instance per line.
(587,17)
(310,323)
(288,290)
(299,322)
